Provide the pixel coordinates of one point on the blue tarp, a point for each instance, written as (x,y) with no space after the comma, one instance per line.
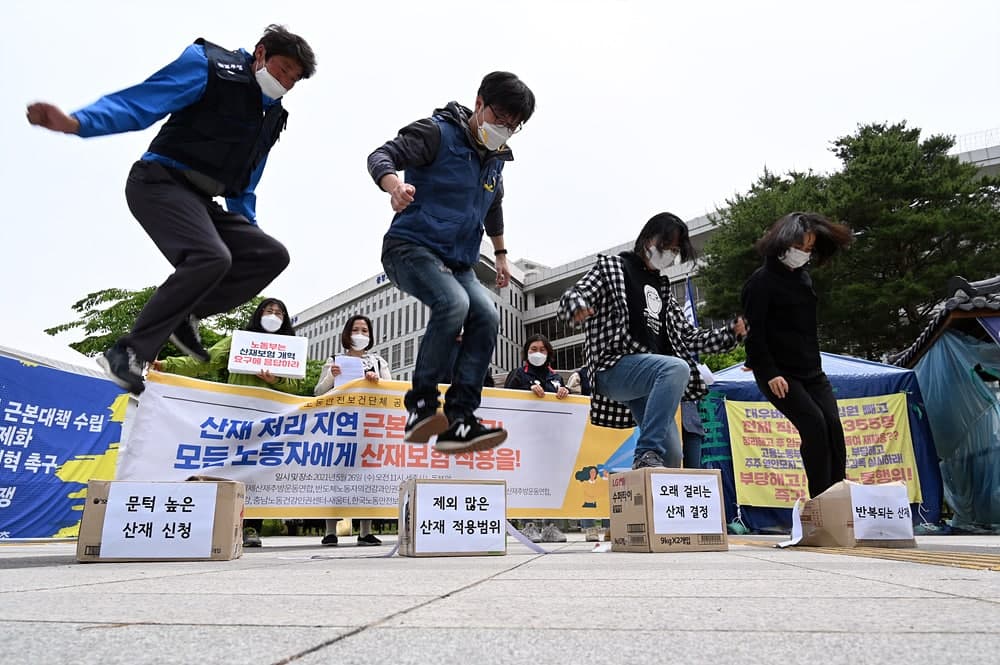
(964,415)
(851,377)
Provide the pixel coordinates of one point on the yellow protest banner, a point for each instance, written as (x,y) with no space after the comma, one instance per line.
(767,466)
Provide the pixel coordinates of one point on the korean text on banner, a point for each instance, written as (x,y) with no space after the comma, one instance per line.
(58,430)
(343,455)
(767,465)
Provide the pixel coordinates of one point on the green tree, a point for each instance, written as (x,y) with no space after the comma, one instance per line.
(108,314)
(720,361)
(729,254)
(919,216)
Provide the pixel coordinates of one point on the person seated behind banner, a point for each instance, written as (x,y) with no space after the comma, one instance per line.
(536,374)
(271,316)
(579,382)
(357,340)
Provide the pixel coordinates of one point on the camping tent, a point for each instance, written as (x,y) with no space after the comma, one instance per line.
(957,361)
(851,377)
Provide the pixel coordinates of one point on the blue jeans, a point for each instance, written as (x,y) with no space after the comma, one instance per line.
(651,386)
(457,301)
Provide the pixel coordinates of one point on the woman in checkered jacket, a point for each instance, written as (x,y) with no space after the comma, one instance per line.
(639,345)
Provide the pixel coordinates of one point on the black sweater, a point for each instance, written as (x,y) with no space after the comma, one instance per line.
(780,309)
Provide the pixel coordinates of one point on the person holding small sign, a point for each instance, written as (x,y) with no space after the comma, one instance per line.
(783,344)
(357,340)
(271,316)
(639,344)
(536,374)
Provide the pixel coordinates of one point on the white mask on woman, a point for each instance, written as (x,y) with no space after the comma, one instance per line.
(271,322)
(359,342)
(537,358)
(269,85)
(660,260)
(795,258)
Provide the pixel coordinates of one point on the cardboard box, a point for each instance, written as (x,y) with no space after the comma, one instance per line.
(452,517)
(851,514)
(195,520)
(667,510)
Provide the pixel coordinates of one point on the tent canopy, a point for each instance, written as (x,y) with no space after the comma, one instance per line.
(851,378)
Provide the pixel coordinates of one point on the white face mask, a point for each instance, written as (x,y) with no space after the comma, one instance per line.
(537,359)
(359,342)
(271,322)
(268,84)
(660,260)
(795,258)
(492,136)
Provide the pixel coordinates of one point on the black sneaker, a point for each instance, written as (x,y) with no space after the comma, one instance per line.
(330,540)
(369,540)
(187,338)
(250,537)
(465,436)
(123,367)
(423,423)
(647,459)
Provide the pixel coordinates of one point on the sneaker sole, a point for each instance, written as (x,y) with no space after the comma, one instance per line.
(121,383)
(200,357)
(427,428)
(485,442)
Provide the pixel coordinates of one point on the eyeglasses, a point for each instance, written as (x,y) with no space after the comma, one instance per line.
(506,121)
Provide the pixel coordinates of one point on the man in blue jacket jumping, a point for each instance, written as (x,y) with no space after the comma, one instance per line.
(453,191)
(225,115)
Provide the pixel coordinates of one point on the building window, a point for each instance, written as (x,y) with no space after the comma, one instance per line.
(395,356)
(408,352)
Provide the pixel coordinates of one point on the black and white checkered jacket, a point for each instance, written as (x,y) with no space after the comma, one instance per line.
(608,339)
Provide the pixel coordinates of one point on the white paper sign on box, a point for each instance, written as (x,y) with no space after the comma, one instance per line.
(881,512)
(688,504)
(159,520)
(460,517)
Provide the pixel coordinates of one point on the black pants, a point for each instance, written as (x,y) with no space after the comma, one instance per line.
(220,260)
(812,408)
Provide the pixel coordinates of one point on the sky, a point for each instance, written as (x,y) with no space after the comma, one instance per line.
(642,107)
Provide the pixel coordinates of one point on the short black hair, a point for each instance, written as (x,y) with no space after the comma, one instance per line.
(544,340)
(286,321)
(345,335)
(791,229)
(667,229)
(508,94)
(277,40)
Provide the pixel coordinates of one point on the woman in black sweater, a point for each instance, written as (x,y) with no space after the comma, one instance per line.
(782,346)
(536,374)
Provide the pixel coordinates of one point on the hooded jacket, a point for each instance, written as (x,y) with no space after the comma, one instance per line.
(458,183)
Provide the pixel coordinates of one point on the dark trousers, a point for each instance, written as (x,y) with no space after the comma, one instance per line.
(220,260)
(812,408)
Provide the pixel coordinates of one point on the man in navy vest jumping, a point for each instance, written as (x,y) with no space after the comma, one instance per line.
(453,191)
(225,115)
